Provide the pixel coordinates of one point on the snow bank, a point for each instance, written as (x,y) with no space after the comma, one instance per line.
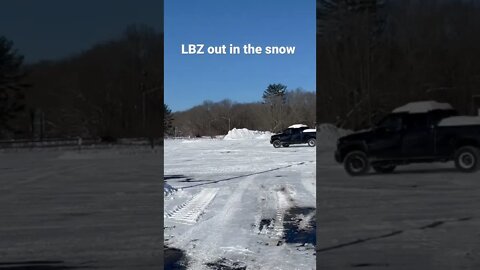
(328,135)
(168,190)
(246,134)
(422,107)
(460,121)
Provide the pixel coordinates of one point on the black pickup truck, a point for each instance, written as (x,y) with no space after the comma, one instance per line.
(295,134)
(416,132)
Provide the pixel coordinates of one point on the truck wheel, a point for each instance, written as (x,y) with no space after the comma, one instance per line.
(356,163)
(277,144)
(467,159)
(384,168)
(312,142)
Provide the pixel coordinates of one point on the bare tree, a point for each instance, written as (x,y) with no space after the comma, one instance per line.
(112,90)
(371,60)
(216,118)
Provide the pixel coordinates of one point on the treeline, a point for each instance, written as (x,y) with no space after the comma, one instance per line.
(278,109)
(374,55)
(112,90)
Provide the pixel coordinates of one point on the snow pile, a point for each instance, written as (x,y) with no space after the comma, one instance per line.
(460,121)
(328,135)
(422,107)
(246,134)
(168,190)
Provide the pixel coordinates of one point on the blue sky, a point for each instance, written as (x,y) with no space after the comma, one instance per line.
(191,79)
(53,29)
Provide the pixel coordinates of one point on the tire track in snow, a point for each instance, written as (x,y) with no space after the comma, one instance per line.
(282,206)
(190,211)
(273,227)
(265,217)
(219,229)
(283,195)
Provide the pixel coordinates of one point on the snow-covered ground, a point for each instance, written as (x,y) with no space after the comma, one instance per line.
(240,203)
(423,216)
(91,209)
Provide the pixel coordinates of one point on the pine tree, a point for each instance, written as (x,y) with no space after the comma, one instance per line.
(11,84)
(274,93)
(275,97)
(167,120)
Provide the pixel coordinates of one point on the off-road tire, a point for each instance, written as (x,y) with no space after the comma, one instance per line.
(467,159)
(312,142)
(356,163)
(277,144)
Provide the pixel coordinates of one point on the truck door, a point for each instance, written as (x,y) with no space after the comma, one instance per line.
(387,139)
(296,135)
(286,135)
(418,138)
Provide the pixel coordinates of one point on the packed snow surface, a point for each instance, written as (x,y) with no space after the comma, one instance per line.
(298,126)
(422,216)
(246,134)
(99,207)
(422,107)
(237,202)
(460,121)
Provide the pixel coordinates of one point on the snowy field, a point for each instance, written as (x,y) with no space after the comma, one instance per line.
(239,204)
(91,209)
(423,216)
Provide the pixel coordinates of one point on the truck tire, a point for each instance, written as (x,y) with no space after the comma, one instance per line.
(386,168)
(312,142)
(467,159)
(277,144)
(356,163)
